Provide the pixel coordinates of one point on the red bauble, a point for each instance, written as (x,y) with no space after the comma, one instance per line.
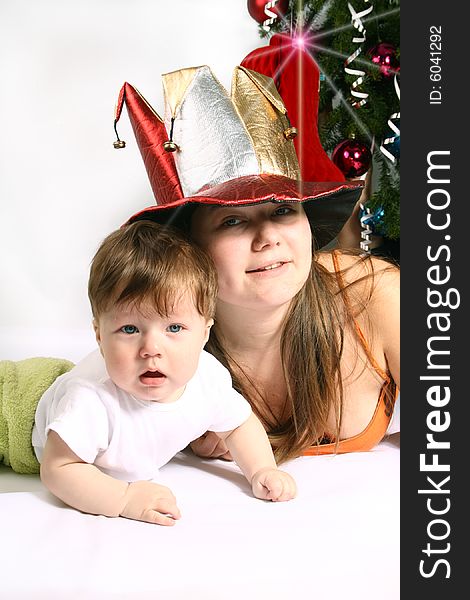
(385,57)
(352,158)
(256,9)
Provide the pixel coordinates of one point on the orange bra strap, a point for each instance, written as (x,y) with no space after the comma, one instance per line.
(382,374)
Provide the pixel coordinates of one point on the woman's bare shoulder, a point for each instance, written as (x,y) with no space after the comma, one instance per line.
(354,267)
(372,287)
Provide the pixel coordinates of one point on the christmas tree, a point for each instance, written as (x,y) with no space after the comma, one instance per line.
(356,46)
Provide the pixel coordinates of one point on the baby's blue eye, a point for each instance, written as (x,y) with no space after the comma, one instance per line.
(129,329)
(174,328)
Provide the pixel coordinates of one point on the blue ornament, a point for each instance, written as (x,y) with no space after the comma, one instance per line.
(374,220)
(395,147)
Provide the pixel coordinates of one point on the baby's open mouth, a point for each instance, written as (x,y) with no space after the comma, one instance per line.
(152,375)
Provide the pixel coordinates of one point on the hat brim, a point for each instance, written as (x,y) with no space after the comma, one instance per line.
(328,205)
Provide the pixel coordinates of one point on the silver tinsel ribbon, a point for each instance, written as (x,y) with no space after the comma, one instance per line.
(393,127)
(366,231)
(356,20)
(272,16)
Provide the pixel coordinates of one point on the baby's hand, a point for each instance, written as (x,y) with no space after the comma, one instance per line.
(150,502)
(272,484)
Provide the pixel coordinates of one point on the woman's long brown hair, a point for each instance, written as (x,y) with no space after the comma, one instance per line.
(311,350)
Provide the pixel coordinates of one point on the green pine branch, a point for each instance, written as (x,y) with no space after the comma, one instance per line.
(337,119)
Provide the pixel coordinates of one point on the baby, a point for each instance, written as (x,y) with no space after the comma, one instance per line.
(103,430)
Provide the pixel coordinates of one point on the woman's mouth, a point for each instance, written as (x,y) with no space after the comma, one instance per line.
(269,267)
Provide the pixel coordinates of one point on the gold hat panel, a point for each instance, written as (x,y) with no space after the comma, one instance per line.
(264,115)
(221,137)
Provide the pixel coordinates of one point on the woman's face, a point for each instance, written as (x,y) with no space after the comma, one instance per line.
(262,253)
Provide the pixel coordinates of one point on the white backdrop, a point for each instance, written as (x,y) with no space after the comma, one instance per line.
(63,187)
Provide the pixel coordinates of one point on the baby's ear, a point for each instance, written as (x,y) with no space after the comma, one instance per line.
(209,324)
(96,329)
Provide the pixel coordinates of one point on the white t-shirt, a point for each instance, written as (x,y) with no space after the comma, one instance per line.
(129,438)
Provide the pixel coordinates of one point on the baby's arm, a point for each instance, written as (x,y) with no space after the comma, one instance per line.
(250,448)
(86,488)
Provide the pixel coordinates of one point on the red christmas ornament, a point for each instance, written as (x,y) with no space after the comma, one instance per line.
(256,9)
(352,158)
(384,55)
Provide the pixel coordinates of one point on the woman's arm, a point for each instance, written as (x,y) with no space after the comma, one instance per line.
(350,235)
(84,487)
(210,445)
(250,448)
(382,310)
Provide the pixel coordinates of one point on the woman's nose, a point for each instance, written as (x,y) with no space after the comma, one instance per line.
(151,346)
(266,235)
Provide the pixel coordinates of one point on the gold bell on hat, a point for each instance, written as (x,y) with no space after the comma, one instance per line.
(290,133)
(170,145)
(118,143)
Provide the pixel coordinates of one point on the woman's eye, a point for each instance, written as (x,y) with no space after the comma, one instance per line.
(231,222)
(129,329)
(174,328)
(283,210)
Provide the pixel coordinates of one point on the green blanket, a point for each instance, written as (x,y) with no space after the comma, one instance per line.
(22,384)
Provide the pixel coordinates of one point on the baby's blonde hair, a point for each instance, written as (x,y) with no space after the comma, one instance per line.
(153,265)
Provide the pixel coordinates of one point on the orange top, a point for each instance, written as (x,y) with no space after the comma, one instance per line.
(376,429)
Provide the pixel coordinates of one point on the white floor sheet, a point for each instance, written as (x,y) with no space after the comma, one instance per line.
(338,539)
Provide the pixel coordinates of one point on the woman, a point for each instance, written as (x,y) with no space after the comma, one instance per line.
(310,341)
(311,338)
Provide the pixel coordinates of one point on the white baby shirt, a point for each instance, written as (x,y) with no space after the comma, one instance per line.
(129,438)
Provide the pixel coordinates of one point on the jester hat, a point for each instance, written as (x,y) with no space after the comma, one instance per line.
(213,148)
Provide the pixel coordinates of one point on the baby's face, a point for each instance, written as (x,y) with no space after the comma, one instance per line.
(149,356)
